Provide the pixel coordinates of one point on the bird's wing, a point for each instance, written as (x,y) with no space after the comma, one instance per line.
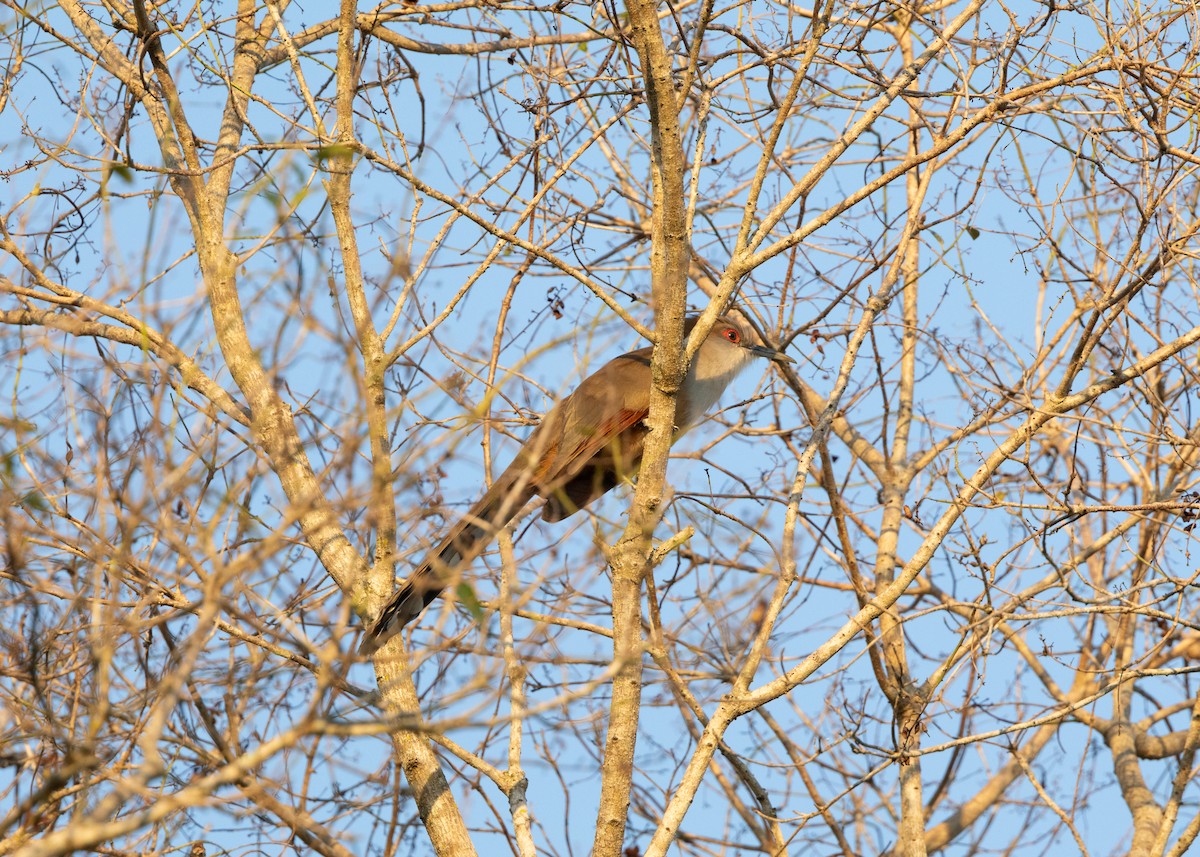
(599,436)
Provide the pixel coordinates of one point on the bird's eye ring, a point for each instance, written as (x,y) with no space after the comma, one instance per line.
(732,335)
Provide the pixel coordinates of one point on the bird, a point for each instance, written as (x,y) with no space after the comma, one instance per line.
(588,443)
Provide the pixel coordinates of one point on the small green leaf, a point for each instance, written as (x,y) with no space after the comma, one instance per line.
(334,150)
(121,171)
(33,500)
(466,596)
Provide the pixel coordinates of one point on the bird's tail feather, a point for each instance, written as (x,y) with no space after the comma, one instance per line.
(468,538)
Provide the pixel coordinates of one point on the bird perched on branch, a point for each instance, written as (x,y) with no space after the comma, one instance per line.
(588,443)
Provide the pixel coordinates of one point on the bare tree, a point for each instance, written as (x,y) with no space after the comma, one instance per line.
(270,278)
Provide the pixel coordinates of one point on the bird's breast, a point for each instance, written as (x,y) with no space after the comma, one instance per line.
(698,397)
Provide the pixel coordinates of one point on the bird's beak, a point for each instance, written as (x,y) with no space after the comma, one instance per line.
(769,353)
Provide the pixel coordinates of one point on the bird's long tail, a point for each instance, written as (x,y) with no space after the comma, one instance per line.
(466,540)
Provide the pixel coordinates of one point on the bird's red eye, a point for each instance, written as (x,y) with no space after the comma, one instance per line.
(732,335)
